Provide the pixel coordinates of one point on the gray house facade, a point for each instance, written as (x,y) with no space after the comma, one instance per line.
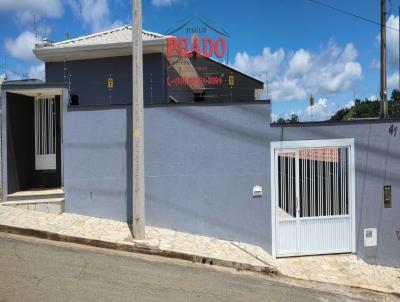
(215,164)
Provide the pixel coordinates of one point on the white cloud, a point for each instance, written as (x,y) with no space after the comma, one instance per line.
(296,75)
(21,47)
(260,65)
(322,109)
(372,98)
(392,82)
(50,8)
(94,14)
(274,117)
(349,104)
(375,64)
(26,10)
(162,2)
(287,89)
(10,76)
(37,72)
(299,63)
(392,41)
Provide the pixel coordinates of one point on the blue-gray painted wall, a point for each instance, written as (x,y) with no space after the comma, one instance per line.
(96,163)
(201,164)
(377,163)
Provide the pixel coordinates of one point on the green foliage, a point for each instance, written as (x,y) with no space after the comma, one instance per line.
(292,120)
(340,114)
(368,109)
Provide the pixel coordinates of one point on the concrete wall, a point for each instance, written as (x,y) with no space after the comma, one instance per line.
(377,163)
(201,164)
(96,162)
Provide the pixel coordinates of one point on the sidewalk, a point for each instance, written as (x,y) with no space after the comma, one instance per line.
(340,269)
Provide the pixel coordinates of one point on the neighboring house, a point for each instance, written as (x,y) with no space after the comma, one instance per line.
(86,64)
(214,163)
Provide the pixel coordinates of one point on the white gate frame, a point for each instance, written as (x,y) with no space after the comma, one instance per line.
(45,136)
(345,142)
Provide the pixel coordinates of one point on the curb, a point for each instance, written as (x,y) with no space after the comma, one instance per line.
(141,248)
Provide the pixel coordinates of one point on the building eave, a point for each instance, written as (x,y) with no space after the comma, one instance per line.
(34,90)
(94,51)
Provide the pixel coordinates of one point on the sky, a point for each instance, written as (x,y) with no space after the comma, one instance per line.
(296,46)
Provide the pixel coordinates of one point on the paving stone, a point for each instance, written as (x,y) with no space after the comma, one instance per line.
(341,269)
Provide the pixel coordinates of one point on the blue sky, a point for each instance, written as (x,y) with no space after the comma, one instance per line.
(302,48)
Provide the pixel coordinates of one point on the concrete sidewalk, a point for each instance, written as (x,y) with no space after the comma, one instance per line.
(340,269)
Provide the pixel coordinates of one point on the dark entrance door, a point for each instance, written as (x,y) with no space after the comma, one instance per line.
(22,143)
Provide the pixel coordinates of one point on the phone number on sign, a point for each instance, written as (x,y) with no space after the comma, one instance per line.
(194,81)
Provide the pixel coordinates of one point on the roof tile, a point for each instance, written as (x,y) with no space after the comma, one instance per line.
(117,35)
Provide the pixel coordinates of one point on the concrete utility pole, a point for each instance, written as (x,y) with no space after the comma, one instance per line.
(384,104)
(138,195)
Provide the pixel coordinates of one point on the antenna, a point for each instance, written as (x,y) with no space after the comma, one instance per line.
(5,67)
(64,71)
(34,26)
(69,83)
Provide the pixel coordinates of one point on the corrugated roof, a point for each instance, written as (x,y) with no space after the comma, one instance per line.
(117,35)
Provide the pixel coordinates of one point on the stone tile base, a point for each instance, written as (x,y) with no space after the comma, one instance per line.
(53,206)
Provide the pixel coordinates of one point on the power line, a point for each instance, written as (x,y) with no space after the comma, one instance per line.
(350,14)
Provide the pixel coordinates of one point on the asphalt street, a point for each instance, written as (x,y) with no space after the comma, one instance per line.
(40,270)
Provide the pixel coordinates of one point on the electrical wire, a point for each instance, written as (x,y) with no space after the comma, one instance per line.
(350,14)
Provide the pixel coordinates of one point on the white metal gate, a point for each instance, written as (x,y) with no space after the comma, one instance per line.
(45,133)
(313,200)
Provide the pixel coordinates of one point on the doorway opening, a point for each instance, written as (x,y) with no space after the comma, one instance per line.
(33,125)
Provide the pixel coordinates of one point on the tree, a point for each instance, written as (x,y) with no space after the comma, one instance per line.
(395,103)
(292,120)
(340,114)
(395,95)
(368,109)
(281,121)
